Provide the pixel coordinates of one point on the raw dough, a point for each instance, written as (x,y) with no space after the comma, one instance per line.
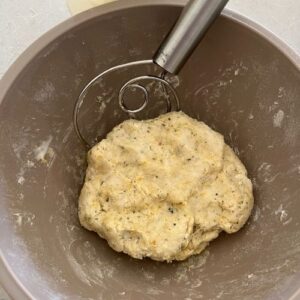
(164,188)
(78,6)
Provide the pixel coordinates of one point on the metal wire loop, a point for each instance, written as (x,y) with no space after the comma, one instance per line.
(132,83)
(123,90)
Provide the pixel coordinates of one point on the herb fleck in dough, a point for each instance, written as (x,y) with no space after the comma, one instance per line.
(164,188)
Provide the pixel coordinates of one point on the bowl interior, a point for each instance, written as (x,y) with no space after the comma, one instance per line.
(236,81)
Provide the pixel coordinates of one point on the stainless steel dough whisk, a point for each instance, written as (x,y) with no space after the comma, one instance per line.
(196,18)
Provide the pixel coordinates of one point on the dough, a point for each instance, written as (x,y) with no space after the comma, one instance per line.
(78,6)
(164,188)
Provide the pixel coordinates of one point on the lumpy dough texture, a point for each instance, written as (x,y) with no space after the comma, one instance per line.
(164,188)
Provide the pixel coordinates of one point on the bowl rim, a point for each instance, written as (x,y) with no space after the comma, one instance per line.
(8,279)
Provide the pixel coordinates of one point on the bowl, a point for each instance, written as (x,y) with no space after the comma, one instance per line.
(241,80)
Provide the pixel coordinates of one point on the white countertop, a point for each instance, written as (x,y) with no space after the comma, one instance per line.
(23,21)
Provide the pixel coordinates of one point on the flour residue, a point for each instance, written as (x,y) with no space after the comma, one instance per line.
(20,146)
(45,93)
(20,176)
(24,218)
(256,214)
(44,153)
(226,77)
(266,173)
(283,215)
(193,264)
(278,118)
(30,164)
(281,92)
(174,81)
(102,107)
(21,180)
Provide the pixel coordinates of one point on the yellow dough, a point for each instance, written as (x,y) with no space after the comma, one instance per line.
(164,188)
(78,6)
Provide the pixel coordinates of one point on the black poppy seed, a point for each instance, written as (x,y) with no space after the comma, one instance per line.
(171,210)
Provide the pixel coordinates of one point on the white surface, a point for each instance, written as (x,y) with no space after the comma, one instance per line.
(23,21)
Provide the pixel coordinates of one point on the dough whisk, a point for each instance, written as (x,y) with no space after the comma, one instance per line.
(196,18)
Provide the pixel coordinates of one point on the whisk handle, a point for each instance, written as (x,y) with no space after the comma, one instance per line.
(190,28)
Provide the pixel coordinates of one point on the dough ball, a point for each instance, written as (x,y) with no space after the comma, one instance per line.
(164,188)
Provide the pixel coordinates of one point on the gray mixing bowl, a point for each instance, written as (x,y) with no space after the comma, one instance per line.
(241,81)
